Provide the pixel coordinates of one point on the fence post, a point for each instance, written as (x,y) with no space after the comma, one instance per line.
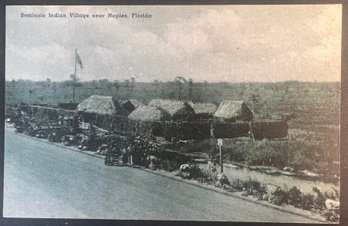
(220,153)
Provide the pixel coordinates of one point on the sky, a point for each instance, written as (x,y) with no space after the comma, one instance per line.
(234,43)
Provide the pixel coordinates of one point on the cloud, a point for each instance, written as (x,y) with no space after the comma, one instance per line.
(212,43)
(39,63)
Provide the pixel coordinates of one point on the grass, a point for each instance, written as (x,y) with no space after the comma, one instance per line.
(300,155)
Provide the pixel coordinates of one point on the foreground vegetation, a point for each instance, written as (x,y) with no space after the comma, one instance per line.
(316,201)
(320,158)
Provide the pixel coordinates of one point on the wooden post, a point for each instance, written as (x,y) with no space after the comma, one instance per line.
(220,153)
(221,163)
(251,130)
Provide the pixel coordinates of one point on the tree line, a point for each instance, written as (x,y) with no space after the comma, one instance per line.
(261,97)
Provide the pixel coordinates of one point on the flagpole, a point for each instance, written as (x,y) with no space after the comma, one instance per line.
(75,61)
(75,76)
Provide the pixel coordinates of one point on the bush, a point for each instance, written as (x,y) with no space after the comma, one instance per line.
(237,184)
(237,156)
(279,197)
(258,190)
(307,201)
(221,180)
(250,187)
(192,171)
(267,153)
(171,165)
(319,200)
(294,197)
(195,172)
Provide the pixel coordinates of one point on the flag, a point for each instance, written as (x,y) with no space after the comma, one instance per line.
(78,60)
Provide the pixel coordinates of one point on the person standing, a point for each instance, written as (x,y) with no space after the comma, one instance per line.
(124,155)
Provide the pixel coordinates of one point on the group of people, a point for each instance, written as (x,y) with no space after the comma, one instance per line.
(131,151)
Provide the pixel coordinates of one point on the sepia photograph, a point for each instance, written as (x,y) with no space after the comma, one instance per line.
(223,113)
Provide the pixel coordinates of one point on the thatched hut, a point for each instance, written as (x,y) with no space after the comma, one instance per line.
(148,113)
(203,110)
(178,110)
(130,104)
(97,105)
(149,119)
(232,111)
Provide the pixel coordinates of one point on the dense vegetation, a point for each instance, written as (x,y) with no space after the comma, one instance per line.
(319,157)
(313,141)
(264,98)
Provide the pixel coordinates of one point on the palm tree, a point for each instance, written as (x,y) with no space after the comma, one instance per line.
(116,85)
(127,85)
(206,86)
(54,88)
(155,85)
(255,100)
(109,88)
(190,83)
(31,92)
(132,85)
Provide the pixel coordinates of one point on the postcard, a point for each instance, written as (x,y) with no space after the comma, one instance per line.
(169,112)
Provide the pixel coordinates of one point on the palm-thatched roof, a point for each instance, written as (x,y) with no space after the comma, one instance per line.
(233,110)
(130,104)
(203,108)
(148,113)
(101,105)
(174,108)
